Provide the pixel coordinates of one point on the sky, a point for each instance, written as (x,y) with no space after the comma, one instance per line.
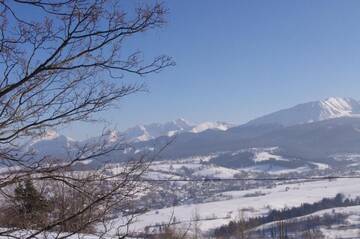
(240,59)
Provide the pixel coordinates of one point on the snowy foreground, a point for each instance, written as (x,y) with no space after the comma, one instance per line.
(231,205)
(250,203)
(350,229)
(217,209)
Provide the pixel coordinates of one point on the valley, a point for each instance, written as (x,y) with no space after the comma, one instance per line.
(213,173)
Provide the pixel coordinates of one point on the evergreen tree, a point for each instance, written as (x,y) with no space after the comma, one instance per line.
(30,203)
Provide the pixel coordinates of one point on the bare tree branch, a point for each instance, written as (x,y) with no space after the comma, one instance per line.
(64,64)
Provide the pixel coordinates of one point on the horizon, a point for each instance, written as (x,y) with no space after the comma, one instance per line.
(263,57)
(180,119)
(194,123)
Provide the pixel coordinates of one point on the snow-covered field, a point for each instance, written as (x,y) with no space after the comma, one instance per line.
(218,209)
(250,203)
(350,228)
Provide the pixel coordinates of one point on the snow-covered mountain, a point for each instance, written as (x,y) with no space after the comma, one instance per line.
(154,130)
(211,125)
(52,144)
(56,145)
(333,107)
(332,125)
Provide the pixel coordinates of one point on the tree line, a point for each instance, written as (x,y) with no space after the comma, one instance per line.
(287,213)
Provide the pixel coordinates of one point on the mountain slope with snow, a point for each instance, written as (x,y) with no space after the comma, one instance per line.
(52,144)
(223,126)
(59,146)
(314,131)
(333,107)
(155,130)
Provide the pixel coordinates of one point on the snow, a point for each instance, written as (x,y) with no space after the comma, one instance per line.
(333,107)
(111,136)
(321,166)
(171,167)
(335,231)
(216,172)
(52,144)
(48,135)
(264,156)
(275,170)
(154,130)
(159,176)
(283,195)
(211,125)
(347,157)
(194,165)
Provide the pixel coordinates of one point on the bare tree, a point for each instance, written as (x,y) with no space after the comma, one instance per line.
(63,63)
(240,230)
(196,224)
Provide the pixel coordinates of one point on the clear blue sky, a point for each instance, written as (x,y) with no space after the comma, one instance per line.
(237,60)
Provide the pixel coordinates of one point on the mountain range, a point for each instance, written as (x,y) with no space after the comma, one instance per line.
(326,132)
(53,144)
(333,107)
(154,130)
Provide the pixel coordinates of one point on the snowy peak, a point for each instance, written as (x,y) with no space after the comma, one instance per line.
(109,136)
(211,125)
(51,136)
(47,135)
(182,123)
(50,143)
(154,130)
(333,107)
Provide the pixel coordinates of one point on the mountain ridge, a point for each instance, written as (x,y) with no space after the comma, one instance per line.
(332,107)
(333,131)
(151,131)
